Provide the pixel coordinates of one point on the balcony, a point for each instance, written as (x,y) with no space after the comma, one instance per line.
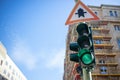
(105,38)
(104,30)
(100,22)
(104,54)
(106,75)
(113,72)
(107,64)
(103,46)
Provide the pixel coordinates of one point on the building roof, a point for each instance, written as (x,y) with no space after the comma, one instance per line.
(104,5)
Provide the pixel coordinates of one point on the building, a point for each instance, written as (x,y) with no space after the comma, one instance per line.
(8,69)
(106,35)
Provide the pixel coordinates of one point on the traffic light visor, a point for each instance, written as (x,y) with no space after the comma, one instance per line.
(82,29)
(74,57)
(74,46)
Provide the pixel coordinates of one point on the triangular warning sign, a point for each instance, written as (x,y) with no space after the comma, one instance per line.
(81,13)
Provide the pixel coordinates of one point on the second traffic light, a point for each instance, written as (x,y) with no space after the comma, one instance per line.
(74,47)
(85,42)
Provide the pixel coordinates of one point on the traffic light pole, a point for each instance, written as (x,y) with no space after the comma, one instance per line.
(76,1)
(86,74)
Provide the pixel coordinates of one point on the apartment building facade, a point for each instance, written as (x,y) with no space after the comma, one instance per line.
(106,35)
(8,69)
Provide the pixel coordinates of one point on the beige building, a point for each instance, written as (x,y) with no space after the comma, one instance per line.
(106,35)
(8,69)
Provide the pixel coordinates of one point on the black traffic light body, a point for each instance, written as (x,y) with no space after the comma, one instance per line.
(85,41)
(84,47)
(74,47)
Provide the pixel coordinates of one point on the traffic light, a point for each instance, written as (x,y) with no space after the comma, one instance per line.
(85,42)
(74,47)
(83,48)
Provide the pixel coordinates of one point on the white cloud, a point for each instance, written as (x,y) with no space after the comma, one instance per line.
(23,55)
(56,60)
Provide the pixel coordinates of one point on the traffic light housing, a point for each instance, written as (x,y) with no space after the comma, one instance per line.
(85,42)
(83,48)
(74,47)
(74,57)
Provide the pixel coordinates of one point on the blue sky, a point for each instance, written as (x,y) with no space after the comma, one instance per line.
(34,34)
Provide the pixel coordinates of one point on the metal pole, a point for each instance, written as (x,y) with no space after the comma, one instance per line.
(76,1)
(90,75)
(86,74)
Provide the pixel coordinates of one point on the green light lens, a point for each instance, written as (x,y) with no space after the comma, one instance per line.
(86,56)
(87,59)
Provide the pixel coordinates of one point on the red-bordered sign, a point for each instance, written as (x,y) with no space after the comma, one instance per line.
(81,13)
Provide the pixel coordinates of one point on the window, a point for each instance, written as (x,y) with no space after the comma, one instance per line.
(6,63)
(103,70)
(98,48)
(96,13)
(117,27)
(95,26)
(1,62)
(118,42)
(101,61)
(97,41)
(13,71)
(115,12)
(111,13)
(9,66)
(8,74)
(4,72)
(12,78)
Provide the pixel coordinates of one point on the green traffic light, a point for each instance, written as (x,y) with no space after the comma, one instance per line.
(85,56)
(87,59)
